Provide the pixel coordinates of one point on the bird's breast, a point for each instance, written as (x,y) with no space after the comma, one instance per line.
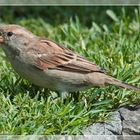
(51,79)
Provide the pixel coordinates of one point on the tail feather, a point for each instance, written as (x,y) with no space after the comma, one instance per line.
(119,83)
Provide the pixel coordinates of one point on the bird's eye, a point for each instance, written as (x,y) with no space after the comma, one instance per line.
(9,34)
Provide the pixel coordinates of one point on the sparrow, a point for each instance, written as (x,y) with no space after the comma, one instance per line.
(50,65)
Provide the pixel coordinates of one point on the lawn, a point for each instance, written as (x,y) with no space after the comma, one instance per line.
(108,36)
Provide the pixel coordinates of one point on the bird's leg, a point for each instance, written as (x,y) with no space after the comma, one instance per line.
(66,97)
(62,96)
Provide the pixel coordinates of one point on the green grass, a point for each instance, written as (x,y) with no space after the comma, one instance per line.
(113,44)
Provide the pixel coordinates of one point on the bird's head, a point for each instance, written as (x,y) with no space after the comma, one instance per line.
(15,36)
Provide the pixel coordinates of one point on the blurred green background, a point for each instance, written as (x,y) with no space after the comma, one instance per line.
(60,14)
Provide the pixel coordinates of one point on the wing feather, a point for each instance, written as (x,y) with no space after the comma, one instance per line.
(49,55)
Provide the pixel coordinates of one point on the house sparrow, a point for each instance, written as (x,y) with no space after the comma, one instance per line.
(50,65)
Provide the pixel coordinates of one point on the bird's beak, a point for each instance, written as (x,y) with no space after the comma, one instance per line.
(1,40)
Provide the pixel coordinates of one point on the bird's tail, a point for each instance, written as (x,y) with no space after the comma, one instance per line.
(113,81)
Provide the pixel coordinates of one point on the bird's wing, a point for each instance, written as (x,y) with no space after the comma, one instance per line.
(49,55)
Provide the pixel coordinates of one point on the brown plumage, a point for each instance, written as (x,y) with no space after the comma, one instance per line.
(47,64)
